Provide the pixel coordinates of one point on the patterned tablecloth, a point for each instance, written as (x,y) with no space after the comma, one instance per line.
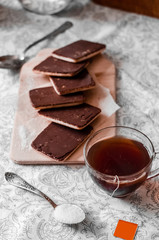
(133,45)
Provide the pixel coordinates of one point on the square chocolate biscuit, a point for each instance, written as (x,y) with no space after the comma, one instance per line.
(81,82)
(42,98)
(79,51)
(77,117)
(56,67)
(59,142)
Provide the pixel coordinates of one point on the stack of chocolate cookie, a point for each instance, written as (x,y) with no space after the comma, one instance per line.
(63,102)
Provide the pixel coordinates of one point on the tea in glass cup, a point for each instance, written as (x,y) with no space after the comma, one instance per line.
(119,159)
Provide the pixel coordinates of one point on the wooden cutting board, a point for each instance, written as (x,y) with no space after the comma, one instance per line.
(28,123)
(145,7)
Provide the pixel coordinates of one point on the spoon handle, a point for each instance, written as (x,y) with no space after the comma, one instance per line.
(57,31)
(17,181)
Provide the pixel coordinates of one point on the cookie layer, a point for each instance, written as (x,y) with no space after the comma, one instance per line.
(56,67)
(59,142)
(82,81)
(79,51)
(77,117)
(42,98)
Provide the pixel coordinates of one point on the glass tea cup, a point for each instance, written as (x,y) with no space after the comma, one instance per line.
(119,159)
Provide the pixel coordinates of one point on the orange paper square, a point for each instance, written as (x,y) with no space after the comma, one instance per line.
(125,230)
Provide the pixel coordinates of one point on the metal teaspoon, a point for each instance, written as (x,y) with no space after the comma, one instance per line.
(15,61)
(64,213)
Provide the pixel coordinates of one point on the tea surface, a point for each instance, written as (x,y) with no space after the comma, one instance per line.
(118,156)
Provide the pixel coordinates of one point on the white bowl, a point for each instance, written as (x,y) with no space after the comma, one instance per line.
(45,6)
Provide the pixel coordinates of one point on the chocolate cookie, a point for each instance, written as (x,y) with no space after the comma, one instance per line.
(55,67)
(42,98)
(59,142)
(82,81)
(77,117)
(79,51)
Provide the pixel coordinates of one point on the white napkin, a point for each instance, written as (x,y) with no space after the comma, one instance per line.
(101,97)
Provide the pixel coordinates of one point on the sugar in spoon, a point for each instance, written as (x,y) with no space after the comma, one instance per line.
(65,213)
(15,61)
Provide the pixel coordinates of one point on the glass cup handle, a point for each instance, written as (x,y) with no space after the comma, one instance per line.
(153,173)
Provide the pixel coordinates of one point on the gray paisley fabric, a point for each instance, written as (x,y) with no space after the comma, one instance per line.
(133,45)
